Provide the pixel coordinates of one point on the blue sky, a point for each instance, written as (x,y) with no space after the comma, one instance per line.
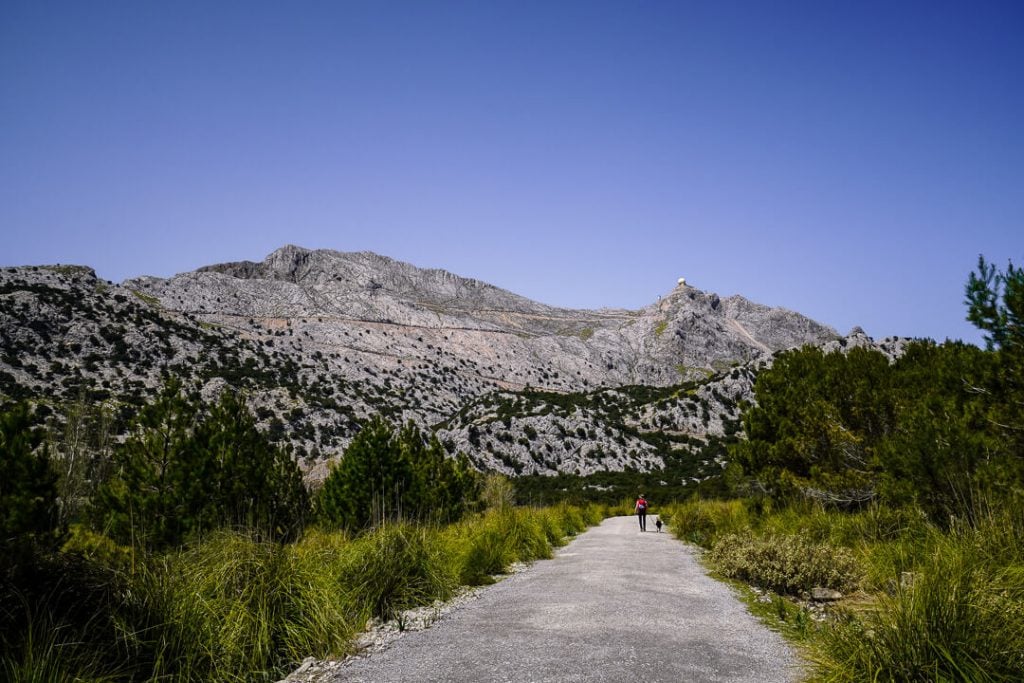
(848,160)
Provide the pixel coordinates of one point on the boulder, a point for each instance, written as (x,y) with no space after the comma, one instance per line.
(819,594)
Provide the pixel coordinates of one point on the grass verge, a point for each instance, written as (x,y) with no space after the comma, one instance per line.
(231,607)
(922,603)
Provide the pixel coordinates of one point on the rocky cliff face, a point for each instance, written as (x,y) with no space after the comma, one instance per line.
(322,339)
(324,294)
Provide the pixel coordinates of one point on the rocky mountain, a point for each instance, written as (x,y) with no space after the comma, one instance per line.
(321,339)
(323,294)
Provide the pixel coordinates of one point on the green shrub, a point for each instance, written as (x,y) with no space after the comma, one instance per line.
(489,545)
(480,554)
(624,507)
(958,619)
(98,549)
(564,520)
(876,523)
(327,617)
(524,533)
(879,523)
(594,513)
(396,567)
(235,609)
(786,564)
(573,521)
(553,523)
(53,654)
(703,521)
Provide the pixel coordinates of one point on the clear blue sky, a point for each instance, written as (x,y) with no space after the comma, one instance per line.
(848,160)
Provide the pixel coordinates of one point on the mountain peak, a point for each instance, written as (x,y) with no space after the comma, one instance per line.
(348,334)
(682,335)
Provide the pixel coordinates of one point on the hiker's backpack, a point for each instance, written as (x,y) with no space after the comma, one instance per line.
(641,505)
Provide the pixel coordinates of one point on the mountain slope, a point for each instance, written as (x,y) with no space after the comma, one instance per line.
(321,339)
(685,333)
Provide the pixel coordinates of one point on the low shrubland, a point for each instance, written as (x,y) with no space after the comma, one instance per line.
(897,479)
(232,606)
(924,602)
(202,557)
(786,564)
(703,522)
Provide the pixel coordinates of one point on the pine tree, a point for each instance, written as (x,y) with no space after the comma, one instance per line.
(255,483)
(449,486)
(29,518)
(182,473)
(384,475)
(152,497)
(817,424)
(995,302)
(366,487)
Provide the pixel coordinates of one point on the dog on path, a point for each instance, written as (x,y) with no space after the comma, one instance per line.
(657,523)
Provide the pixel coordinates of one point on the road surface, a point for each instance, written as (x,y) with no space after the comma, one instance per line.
(613,605)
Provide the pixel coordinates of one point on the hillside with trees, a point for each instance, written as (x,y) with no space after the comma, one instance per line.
(877,506)
(184,545)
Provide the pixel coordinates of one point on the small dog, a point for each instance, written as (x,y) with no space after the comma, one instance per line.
(657,523)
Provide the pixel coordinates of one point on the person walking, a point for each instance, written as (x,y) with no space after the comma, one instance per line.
(641,511)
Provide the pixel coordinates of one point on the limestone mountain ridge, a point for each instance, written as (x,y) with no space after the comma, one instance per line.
(320,340)
(684,333)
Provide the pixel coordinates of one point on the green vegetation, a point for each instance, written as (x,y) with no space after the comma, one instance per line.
(185,551)
(234,608)
(785,563)
(387,476)
(29,516)
(181,473)
(923,603)
(958,616)
(149,299)
(586,333)
(850,428)
(660,328)
(78,440)
(901,485)
(199,564)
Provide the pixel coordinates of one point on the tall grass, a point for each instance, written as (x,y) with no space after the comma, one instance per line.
(397,567)
(487,546)
(60,623)
(705,521)
(54,653)
(942,604)
(234,608)
(959,617)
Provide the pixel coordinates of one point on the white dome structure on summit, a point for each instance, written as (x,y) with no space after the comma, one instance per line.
(682,282)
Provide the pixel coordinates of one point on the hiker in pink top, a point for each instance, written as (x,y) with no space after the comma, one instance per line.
(641,511)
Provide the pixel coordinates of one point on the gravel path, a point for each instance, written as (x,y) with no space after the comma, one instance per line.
(613,605)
